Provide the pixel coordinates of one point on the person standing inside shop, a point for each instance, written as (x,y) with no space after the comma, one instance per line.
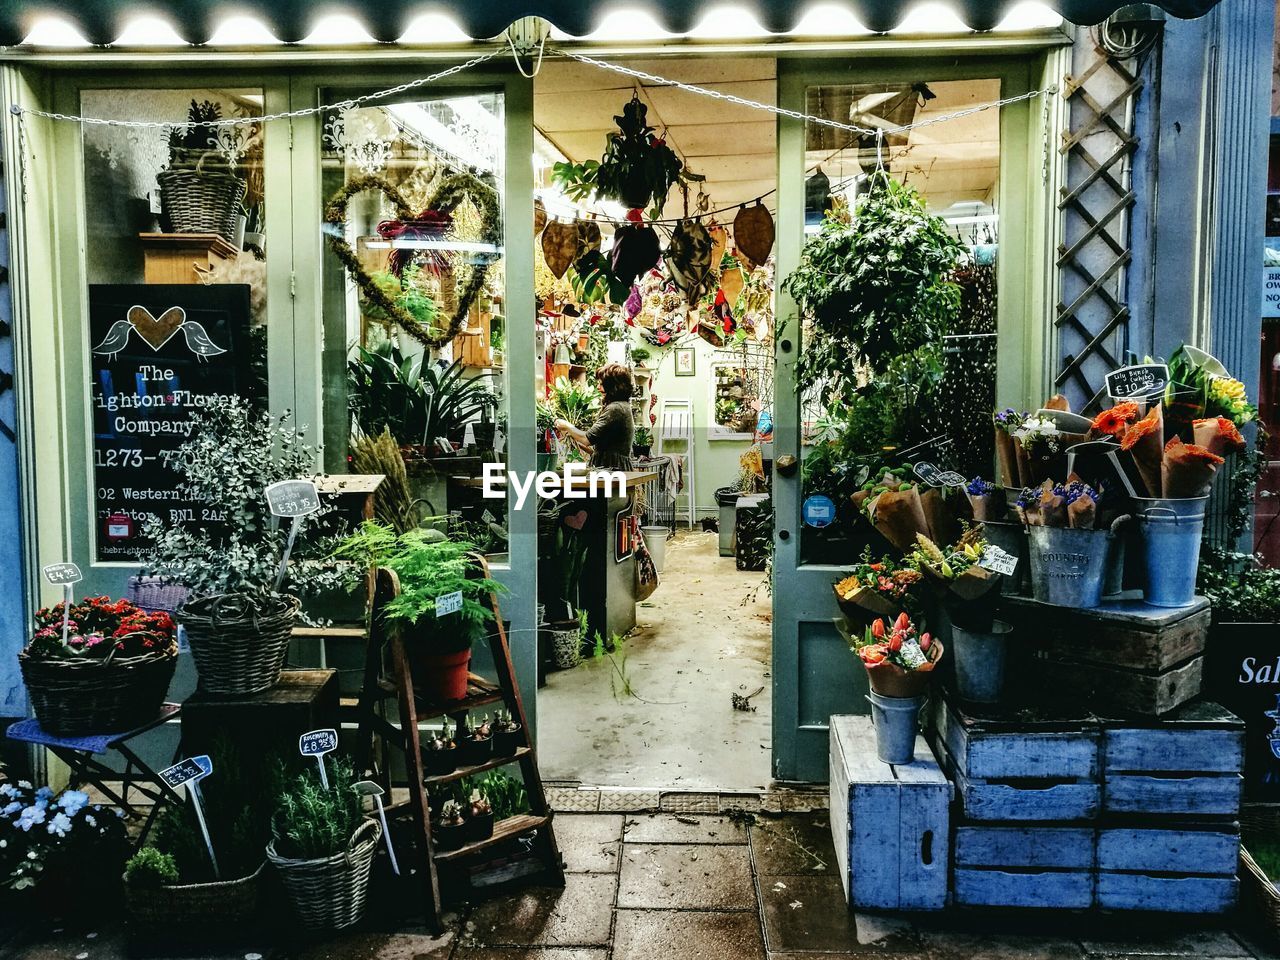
(607,442)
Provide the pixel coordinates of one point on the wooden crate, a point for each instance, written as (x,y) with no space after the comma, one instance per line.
(1016,767)
(891,824)
(1024,866)
(1188,867)
(1122,656)
(1190,764)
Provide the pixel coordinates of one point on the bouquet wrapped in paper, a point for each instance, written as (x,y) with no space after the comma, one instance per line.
(946,510)
(876,588)
(898,514)
(1188,470)
(956,571)
(1041,450)
(898,658)
(1071,504)
(1005,423)
(1114,423)
(986,501)
(1219,435)
(1144,442)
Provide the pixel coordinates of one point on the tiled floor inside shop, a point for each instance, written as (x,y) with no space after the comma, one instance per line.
(672,886)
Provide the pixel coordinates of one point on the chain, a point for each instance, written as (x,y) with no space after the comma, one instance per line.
(341,105)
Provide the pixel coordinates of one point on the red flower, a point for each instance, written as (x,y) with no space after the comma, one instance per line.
(877,629)
(902,624)
(895,643)
(926,641)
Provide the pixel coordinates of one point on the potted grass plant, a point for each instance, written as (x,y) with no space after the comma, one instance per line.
(430,566)
(322,848)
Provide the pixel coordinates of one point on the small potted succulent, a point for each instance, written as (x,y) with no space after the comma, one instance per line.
(450,830)
(475,745)
(506,734)
(441,752)
(479,817)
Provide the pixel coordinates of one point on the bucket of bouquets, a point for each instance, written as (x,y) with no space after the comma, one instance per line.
(899,662)
(1070,544)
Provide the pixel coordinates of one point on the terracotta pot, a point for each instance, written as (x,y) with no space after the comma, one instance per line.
(441,677)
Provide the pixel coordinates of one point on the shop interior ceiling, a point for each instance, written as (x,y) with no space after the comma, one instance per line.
(734,147)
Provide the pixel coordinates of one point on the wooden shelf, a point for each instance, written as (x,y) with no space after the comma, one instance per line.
(493,764)
(504,830)
(480,693)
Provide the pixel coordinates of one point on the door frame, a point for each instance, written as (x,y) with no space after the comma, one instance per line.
(814,676)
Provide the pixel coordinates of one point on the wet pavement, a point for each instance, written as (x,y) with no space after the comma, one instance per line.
(701,887)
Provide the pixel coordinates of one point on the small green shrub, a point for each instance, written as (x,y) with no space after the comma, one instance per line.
(310,822)
(150,869)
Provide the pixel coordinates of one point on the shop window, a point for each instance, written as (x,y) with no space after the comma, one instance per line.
(915,380)
(175,261)
(414,294)
(741,389)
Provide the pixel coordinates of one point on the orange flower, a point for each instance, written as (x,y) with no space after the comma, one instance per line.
(1112,423)
(873,654)
(877,629)
(1140,429)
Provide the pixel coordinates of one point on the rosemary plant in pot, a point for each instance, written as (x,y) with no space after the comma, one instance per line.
(431,570)
(238,618)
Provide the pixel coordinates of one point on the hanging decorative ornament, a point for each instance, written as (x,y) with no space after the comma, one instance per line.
(688,259)
(636,250)
(753,233)
(731,284)
(539,216)
(817,198)
(719,244)
(559,246)
(588,238)
(426,226)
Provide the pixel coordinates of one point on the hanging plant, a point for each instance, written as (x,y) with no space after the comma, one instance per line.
(638,168)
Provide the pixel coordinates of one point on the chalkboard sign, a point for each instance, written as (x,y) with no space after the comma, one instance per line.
(318,742)
(159,352)
(293,498)
(62,573)
(1140,381)
(185,771)
(930,474)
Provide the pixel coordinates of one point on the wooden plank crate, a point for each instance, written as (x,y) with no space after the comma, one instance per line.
(1021,865)
(890,823)
(1184,867)
(1012,766)
(1122,657)
(1189,764)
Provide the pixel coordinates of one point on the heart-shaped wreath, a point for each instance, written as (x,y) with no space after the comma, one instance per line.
(451,191)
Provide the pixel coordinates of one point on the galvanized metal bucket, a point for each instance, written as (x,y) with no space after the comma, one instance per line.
(979,658)
(896,720)
(1171,531)
(1012,539)
(1068,566)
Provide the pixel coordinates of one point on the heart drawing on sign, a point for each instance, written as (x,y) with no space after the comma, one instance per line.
(576,520)
(156,331)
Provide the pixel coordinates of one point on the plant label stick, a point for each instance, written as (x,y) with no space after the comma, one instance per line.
(65,574)
(316,744)
(367,788)
(189,773)
(448,603)
(295,499)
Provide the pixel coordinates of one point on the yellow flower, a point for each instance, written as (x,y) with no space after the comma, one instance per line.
(1227,390)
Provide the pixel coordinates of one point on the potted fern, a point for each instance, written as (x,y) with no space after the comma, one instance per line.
(430,567)
(322,847)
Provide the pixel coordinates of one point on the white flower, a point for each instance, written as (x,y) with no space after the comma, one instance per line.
(29,818)
(88,818)
(3,844)
(31,854)
(24,784)
(73,801)
(60,824)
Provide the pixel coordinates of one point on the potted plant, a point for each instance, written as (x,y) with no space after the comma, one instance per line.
(479,817)
(642,441)
(506,734)
(237,622)
(194,197)
(55,847)
(430,567)
(899,662)
(449,832)
(476,744)
(110,674)
(441,751)
(322,847)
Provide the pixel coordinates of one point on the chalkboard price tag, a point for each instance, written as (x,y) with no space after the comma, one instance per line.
(187,771)
(1139,382)
(293,498)
(318,742)
(60,574)
(448,603)
(998,561)
(934,477)
(487,517)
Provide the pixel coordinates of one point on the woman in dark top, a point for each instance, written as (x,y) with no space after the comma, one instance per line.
(607,443)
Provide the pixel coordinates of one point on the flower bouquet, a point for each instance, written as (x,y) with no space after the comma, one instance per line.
(1007,422)
(108,673)
(897,657)
(896,510)
(986,501)
(875,589)
(955,573)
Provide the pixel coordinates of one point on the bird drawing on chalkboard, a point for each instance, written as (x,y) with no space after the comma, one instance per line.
(198,341)
(117,339)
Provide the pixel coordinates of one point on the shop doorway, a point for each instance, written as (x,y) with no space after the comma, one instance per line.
(673,691)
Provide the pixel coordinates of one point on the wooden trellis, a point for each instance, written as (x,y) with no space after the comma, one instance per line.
(1092,314)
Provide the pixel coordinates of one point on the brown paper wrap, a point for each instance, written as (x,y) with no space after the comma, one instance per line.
(1218,435)
(890,680)
(1007,457)
(899,516)
(1144,440)
(1188,470)
(990,507)
(1083,514)
(942,516)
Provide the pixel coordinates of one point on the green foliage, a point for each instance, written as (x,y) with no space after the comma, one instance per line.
(638,168)
(1239,588)
(149,869)
(389,390)
(506,795)
(576,180)
(233,455)
(593,281)
(407,293)
(643,437)
(310,822)
(429,567)
(574,401)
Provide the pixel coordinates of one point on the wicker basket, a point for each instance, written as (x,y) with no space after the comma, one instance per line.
(224,902)
(238,648)
(329,894)
(194,200)
(1257,888)
(73,698)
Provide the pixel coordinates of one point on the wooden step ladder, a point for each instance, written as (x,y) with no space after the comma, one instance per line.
(373,724)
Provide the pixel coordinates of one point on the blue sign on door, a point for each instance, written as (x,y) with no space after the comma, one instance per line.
(818,511)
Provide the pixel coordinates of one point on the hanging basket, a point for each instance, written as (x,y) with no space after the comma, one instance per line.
(221,903)
(193,200)
(87,696)
(329,894)
(239,646)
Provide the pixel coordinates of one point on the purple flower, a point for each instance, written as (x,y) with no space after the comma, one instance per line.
(1029,497)
(980,488)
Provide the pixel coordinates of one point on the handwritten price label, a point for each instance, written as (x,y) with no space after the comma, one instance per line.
(998,561)
(318,742)
(293,498)
(1139,381)
(187,771)
(448,603)
(62,573)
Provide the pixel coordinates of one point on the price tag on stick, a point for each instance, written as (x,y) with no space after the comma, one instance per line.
(998,561)
(316,744)
(295,499)
(65,575)
(189,773)
(367,788)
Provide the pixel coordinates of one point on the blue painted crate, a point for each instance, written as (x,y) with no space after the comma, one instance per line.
(1136,891)
(1024,866)
(1054,889)
(890,824)
(1176,849)
(1190,764)
(1013,770)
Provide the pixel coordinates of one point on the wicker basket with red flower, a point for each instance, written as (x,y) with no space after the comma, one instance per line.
(108,671)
